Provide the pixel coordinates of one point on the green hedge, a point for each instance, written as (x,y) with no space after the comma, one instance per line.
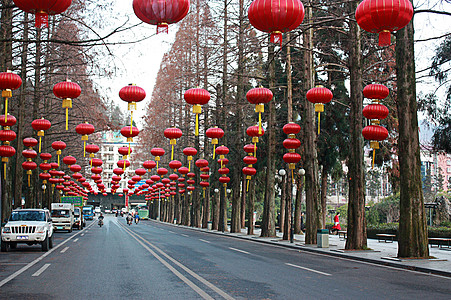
(392,228)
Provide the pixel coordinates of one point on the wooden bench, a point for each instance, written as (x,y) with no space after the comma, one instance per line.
(387,238)
(342,233)
(440,242)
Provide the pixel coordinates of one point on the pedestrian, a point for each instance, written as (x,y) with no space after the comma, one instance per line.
(302,222)
(336,226)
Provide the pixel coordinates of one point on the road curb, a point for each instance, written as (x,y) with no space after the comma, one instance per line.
(313,250)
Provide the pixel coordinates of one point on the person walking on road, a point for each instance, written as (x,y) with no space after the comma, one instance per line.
(336,226)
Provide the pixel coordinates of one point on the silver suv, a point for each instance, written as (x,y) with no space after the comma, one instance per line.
(29,226)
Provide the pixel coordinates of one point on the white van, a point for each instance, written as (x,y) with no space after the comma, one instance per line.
(63,216)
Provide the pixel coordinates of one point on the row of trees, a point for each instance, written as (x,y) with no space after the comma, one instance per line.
(217,49)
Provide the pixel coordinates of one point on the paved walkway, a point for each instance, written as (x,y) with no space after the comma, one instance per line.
(381,253)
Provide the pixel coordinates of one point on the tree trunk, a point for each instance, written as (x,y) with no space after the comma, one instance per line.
(216,207)
(283,200)
(288,206)
(250,207)
(268,223)
(324,175)
(413,235)
(223,211)
(310,157)
(243,201)
(356,230)
(297,209)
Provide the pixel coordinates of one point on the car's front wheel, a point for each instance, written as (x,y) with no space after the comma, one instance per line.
(4,247)
(13,245)
(45,244)
(51,242)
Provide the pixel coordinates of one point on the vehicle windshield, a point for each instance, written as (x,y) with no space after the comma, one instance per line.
(86,211)
(60,213)
(27,216)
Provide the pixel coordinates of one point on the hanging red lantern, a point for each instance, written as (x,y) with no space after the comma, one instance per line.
(124,151)
(42,9)
(190,152)
(132,94)
(58,146)
(276,16)
(7,136)
(155,178)
(222,151)
(375,112)
(175,165)
(250,160)
(376,91)
(96,170)
(375,134)
(319,96)
(84,129)
(9,82)
(40,125)
(172,134)
(69,160)
(250,148)
(214,133)
(29,166)
(96,162)
(6,151)
(123,163)
(201,163)
(383,17)
(149,165)
(75,168)
(30,142)
(291,143)
(259,96)
(67,91)
(7,122)
(140,172)
(92,150)
(255,132)
(197,97)
(183,170)
(118,171)
(162,171)
(157,152)
(161,13)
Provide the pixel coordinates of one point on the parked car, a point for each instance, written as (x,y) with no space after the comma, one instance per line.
(29,226)
(107,211)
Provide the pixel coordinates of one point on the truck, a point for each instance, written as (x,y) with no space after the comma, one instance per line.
(79,222)
(63,216)
(88,212)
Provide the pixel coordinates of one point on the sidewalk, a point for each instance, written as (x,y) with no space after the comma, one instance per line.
(382,253)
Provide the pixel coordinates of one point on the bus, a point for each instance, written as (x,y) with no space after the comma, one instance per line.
(88,212)
(143,212)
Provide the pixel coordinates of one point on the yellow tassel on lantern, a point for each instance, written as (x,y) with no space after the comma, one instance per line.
(197,109)
(131,122)
(248,180)
(260,108)
(319,108)
(58,152)
(6,94)
(374,145)
(190,158)
(157,159)
(29,174)
(67,103)
(214,142)
(4,160)
(172,142)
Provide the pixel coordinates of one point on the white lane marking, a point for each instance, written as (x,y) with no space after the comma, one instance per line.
(204,241)
(184,235)
(197,289)
(17,273)
(186,269)
(42,269)
(238,250)
(307,269)
(75,240)
(171,231)
(82,234)
(64,250)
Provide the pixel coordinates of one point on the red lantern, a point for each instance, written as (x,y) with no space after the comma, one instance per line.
(375,112)
(259,96)
(69,160)
(276,16)
(172,134)
(140,172)
(96,162)
(75,168)
(190,152)
(374,133)
(161,13)
(123,163)
(201,163)
(175,164)
(118,171)
(162,171)
(383,17)
(155,178)
(224,180)
(183,170)
(222,151)
(132,94)
(29,166)
(58,146)
(319,96)
(6,151)
(291,128)
(214,133)
(250,160)
(291,143)
(255,132)
(30,142)
(8,121)
(149,165)
(96,170)
(40,125)
(9,82)
(7,136)
(129,133)
(84,129)
(250,148)
(67,91)
(197,97)
(92,150)
(375,91)
(157,152)
(291,158)
(248,171)
(42,9)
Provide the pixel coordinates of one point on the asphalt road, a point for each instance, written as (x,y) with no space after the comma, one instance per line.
(158,261)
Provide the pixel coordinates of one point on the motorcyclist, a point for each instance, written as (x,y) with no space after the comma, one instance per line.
(129,219)
(101,217)
(137,218)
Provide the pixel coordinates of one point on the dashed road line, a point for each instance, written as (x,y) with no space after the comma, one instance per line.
(64,250)
(75,240)
(184,235)
(308,269)
(204,241)
(238,250)
(41,270)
